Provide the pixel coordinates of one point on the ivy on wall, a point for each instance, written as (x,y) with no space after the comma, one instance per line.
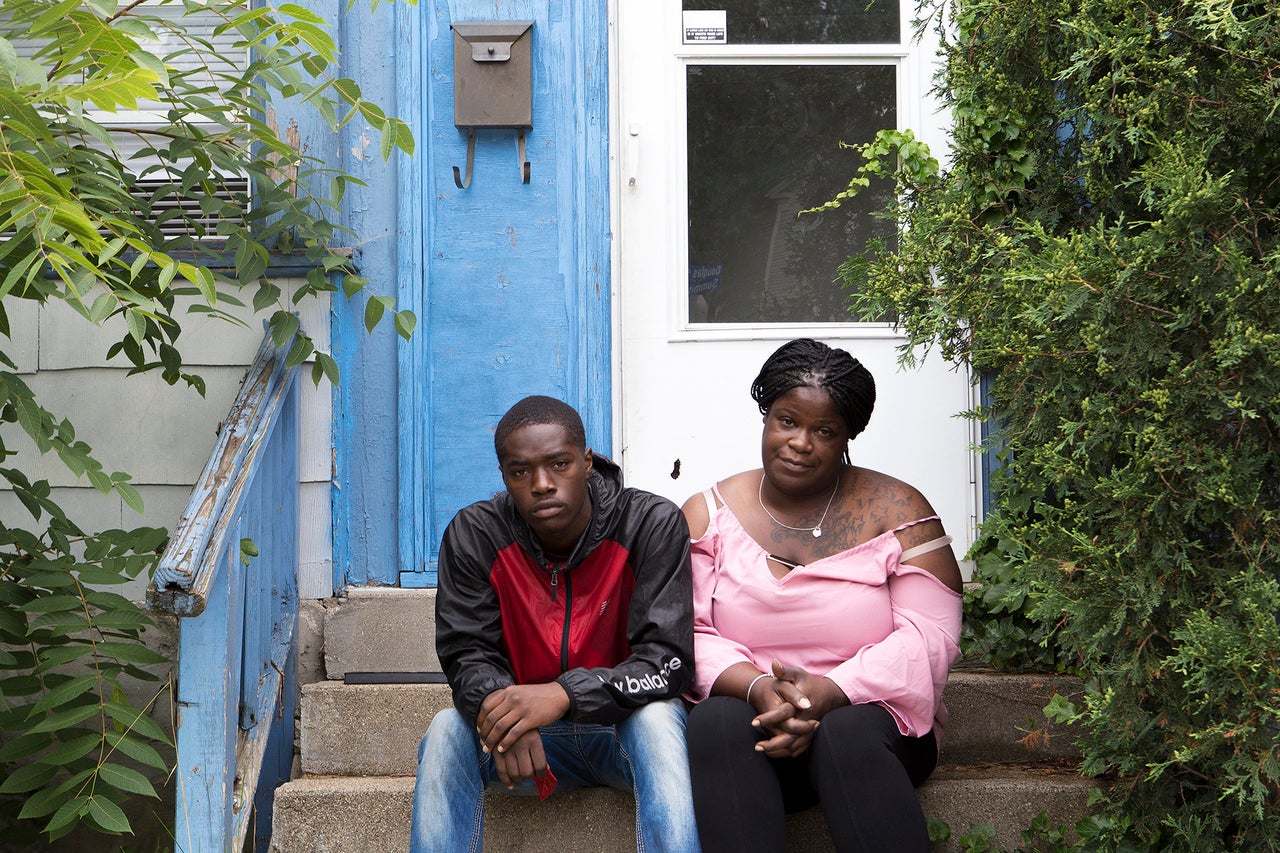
(1104,245)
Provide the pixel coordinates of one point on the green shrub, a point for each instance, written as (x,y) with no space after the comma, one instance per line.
(1105,246)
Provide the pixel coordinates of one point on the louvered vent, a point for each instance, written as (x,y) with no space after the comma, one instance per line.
(180,216)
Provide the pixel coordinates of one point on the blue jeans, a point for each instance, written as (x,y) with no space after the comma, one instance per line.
(644,754)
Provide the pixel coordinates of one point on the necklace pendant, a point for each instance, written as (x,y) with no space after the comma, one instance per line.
(817,533)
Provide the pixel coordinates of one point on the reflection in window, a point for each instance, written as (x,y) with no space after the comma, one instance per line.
(807,21)
(764,145)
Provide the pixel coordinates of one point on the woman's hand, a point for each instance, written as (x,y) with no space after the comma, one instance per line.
(792,702)
(783,707)
(823,694)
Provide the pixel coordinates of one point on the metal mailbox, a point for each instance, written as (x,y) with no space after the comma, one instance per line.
(493,74)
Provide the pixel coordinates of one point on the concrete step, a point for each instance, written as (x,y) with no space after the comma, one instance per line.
(381,629)
(1003,762)
(371,815)
(371,730)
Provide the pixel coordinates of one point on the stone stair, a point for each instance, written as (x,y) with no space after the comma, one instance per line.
(352,788)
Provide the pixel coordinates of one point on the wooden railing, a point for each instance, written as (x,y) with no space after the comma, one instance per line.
(229,572)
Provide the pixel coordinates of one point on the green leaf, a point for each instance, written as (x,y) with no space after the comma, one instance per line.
(373,310)
(1060,709)
(58,655)
(110,602)
(353,284)
(284,325)
(100,481)
(153,64)
(71,749)
(9,60)
(67,621)
(67,814)
(405,321)
(130,496)
(372,113)
(24,746)
(133,620)
(126,779)
(52,575)
(108,815)
(131,652)
(299,352)
(52,604)
(64,693)
(265,296)
(42,803)
(387,144)
(316,39)
(21,685)
(168,273)
(34,422)
(293,10)
(101,309)
(100,575)
(65,719)
(240,22)
(12,623)
(27,778)
(208,287)
(136,322)
(137,749)
(130,719)
(324,368)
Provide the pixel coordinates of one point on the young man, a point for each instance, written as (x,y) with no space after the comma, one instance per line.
(564,624)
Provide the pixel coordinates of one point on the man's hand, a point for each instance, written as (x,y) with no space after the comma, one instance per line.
(523,759)
(507,715)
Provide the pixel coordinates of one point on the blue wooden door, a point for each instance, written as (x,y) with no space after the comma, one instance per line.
(510,281)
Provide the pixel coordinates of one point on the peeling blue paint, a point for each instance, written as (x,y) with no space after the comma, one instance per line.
(511,283)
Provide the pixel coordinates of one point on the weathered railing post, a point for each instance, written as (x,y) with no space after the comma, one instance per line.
(239,605)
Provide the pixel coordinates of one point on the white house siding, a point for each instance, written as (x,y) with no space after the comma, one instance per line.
(159,434)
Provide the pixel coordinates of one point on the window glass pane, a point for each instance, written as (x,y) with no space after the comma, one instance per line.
(806,21)
(764,145)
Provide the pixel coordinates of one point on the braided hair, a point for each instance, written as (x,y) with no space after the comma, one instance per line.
(535,411)
(809,363)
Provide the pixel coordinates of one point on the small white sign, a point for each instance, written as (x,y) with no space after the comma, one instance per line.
(705,27)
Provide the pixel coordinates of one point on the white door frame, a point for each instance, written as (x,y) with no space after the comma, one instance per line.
(630,140)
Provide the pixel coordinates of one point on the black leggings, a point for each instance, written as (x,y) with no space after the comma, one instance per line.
(858,766)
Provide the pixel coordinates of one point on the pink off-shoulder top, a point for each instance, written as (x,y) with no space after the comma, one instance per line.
(883,631)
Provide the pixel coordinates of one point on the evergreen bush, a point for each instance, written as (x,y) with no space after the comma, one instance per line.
(1104,246)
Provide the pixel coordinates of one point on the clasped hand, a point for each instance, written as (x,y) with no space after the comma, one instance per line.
(791,704)
(508,725)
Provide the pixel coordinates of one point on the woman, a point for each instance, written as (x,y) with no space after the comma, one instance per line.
(826,616)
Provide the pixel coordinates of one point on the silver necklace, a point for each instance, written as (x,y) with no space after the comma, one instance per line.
(816,530)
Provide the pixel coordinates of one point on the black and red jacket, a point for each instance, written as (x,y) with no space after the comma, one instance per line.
(613,624)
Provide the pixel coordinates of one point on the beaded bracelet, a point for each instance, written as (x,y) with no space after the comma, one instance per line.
(753,684)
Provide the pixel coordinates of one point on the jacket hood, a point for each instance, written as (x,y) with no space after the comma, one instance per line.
(605,489)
